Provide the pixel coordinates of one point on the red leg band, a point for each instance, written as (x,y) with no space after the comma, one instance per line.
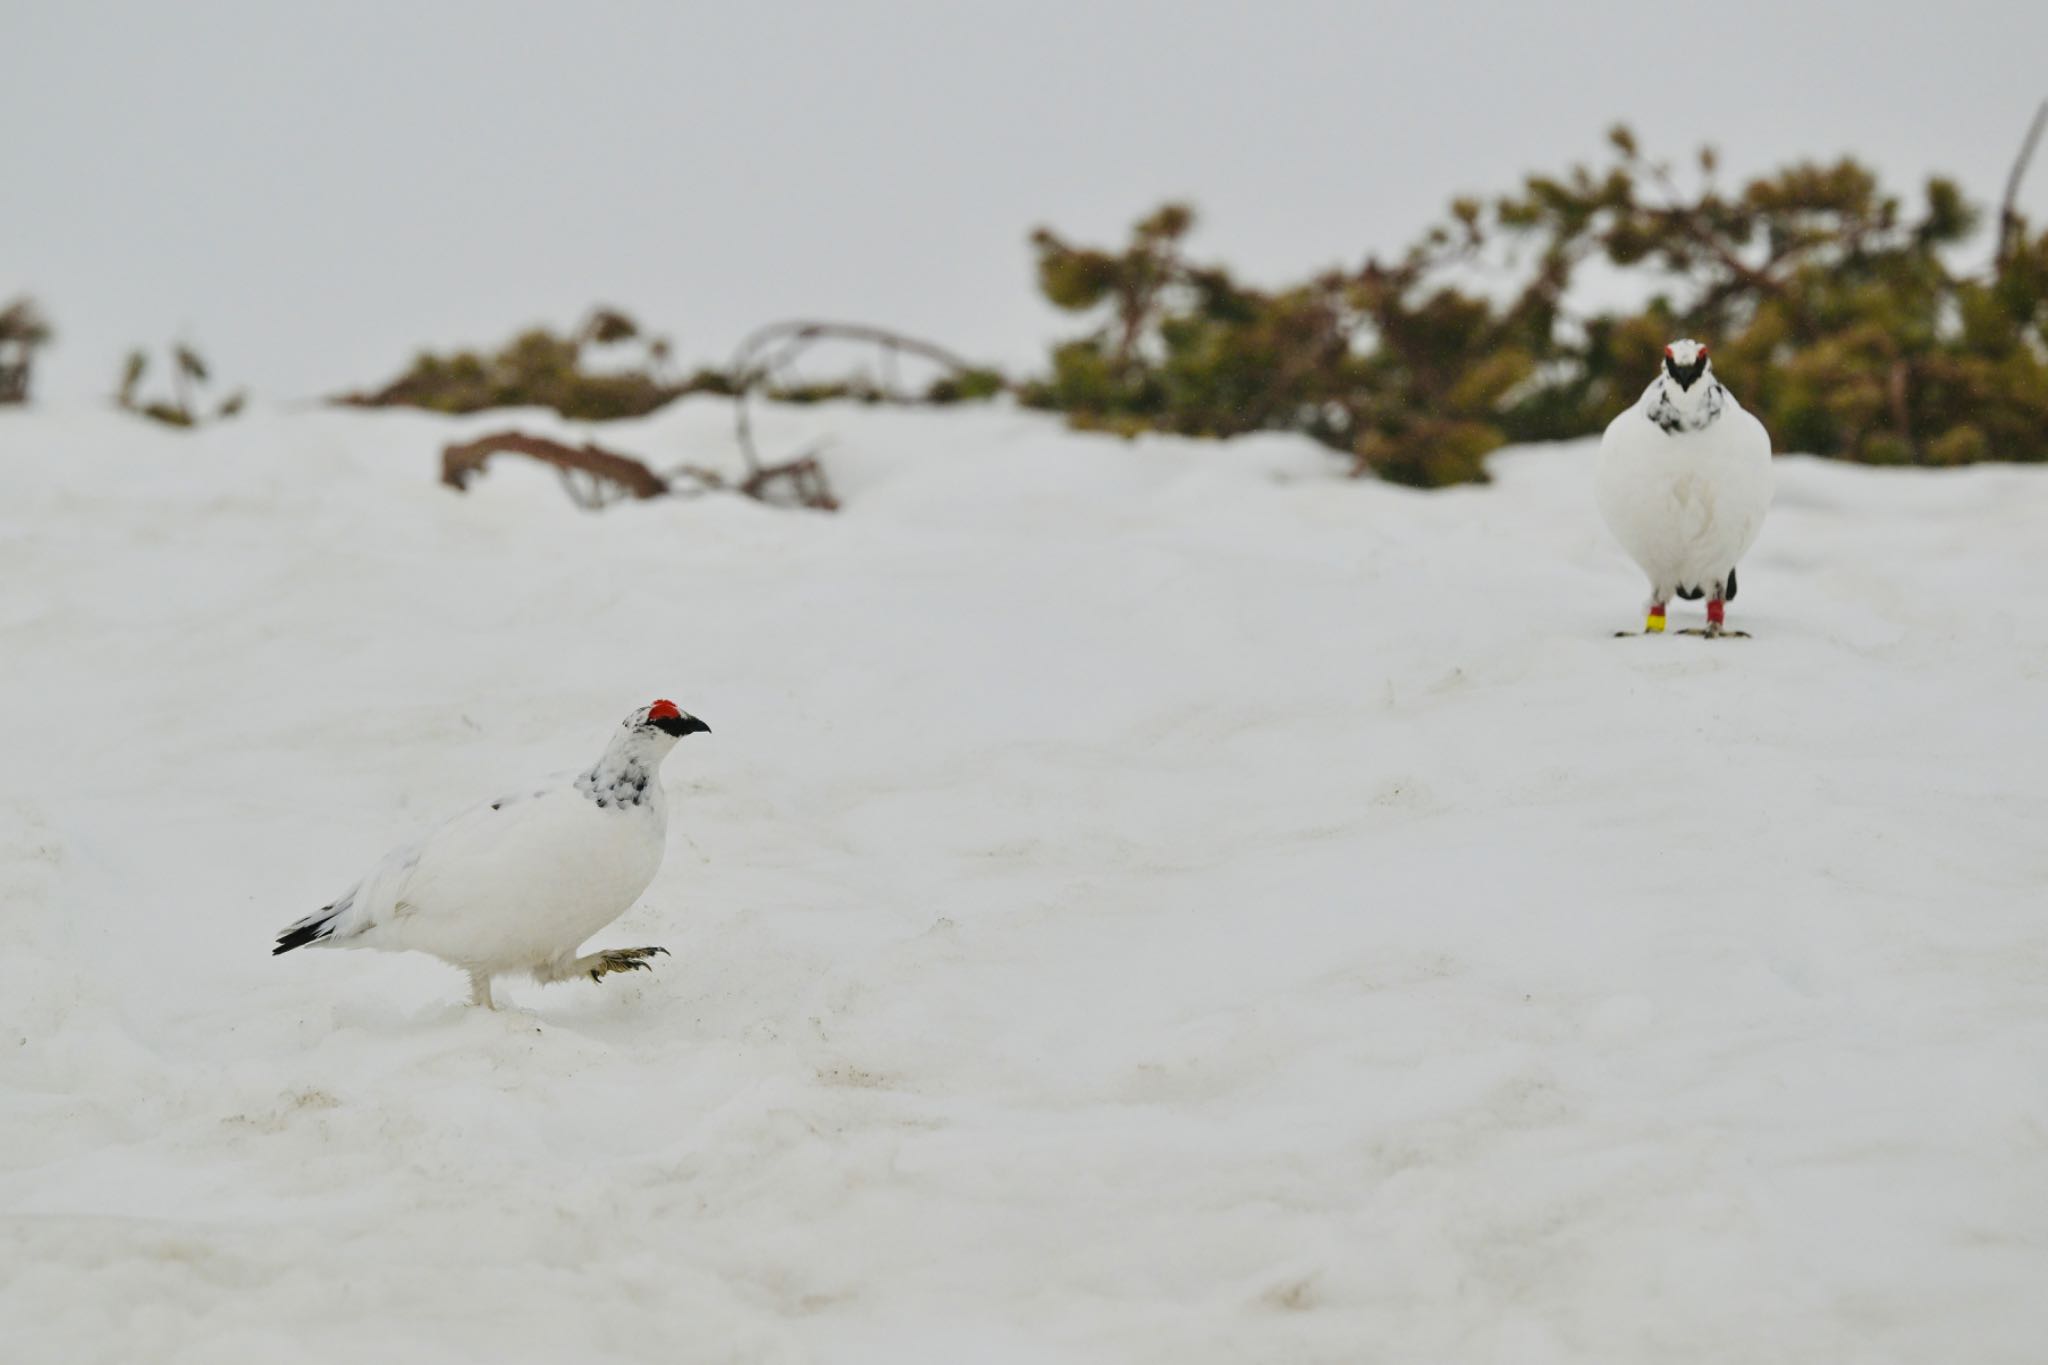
(1716,610)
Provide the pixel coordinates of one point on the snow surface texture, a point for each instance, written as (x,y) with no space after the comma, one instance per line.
(1147,902)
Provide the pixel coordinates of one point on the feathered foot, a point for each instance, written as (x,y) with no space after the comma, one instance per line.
(1716,629)
(601,965)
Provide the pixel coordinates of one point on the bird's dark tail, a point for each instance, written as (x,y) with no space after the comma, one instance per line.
(1694,594)
(311,929)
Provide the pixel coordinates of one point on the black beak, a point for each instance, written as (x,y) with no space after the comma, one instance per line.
(1686,375)
(678,726)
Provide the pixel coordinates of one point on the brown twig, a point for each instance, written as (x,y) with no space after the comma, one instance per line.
(594,477)
(601,469)
(764,352)
(2008,213)
(804,476)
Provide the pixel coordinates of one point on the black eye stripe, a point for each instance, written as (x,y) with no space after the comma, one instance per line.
(1686,375)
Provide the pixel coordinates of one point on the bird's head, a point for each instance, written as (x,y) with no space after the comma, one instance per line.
(1686,362)
(666,718)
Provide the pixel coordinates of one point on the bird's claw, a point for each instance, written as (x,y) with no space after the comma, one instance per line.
(1711,634)
(624,960)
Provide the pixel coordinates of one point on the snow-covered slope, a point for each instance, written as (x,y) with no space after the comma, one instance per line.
(1140,902)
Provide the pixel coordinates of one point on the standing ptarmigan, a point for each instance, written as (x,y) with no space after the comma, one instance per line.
(517,884)
(1684,482)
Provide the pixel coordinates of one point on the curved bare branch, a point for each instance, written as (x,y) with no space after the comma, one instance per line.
(768,349)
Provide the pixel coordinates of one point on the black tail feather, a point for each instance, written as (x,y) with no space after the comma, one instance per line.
(306,931)
(1695,593)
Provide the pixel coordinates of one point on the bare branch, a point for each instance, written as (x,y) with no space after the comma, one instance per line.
(2008,213)
(461,463)
(594,477)
(768,349)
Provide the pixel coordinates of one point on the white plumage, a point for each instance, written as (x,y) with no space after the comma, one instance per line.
(1684,481)
(517,884)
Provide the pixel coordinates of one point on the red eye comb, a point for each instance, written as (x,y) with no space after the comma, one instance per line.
(1667,351)
(663,710)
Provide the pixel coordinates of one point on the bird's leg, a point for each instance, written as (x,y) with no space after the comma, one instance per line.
(597,966)
(602,964)
(1653,621)
(480,990)
(1717,617)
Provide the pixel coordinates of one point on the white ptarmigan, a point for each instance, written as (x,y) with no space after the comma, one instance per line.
(517,884)
(1684,482)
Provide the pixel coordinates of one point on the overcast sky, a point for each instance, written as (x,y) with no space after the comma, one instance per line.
(311,193)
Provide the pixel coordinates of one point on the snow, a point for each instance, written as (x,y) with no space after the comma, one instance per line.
(1138,902)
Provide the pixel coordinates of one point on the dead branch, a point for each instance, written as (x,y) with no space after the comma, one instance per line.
(803,476)
(2008,212)
(592,476)
(764,353)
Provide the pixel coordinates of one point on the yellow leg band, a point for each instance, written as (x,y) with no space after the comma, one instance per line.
(1655,625)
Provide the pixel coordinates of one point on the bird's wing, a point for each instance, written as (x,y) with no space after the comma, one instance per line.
(486,845)
(402,882)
